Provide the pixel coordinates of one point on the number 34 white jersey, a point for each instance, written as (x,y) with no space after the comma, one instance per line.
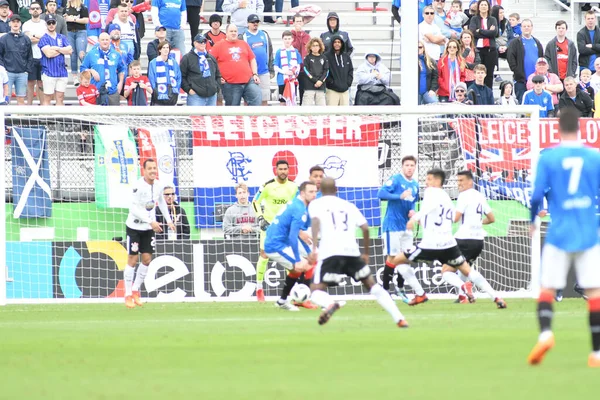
(436,218)
(338,221)
(473,206)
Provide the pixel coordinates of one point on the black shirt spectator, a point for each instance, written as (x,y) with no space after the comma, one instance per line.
(178,215)
(588,49)
(573,97)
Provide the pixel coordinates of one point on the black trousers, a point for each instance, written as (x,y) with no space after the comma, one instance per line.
(193,18)
(268,8)
(489,58)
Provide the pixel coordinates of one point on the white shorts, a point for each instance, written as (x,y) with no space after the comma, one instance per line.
(52,85)
(285,257)
(265,86)
(556,264)
(395,243)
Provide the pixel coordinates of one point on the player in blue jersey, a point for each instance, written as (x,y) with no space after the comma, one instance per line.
(283,244)
(572,172)
(402,193)
(538,96)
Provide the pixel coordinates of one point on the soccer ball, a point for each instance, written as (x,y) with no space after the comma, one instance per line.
(300,293)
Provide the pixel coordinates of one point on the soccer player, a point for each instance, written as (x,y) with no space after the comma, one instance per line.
(284,246)
(402,193)
(438,244)
(572,171)
(268,201)
(140,228)
(473,211)
(339,255)
(316,175)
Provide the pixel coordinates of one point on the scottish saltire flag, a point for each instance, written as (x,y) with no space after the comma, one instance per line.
(32,195)
(159,145)
(117,166)
(232,150)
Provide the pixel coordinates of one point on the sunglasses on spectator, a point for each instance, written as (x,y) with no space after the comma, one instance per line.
(459,91)
(428,13)
(420,47)
(35,8)
(51,23)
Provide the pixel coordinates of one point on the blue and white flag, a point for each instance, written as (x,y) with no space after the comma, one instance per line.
(32,195)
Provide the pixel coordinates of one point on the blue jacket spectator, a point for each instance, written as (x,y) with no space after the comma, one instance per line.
(164,71)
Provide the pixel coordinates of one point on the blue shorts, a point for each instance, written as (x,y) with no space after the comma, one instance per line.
(20,82)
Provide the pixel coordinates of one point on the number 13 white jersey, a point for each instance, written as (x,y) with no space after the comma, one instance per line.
(338,221)
(435,216)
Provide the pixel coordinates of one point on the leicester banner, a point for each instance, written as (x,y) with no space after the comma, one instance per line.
(32,195)
(159,144)
(232,150)
(117,165)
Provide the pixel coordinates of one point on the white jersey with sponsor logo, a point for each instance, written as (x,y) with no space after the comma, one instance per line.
(473,206)
(435,217)
(142,211)
(338,221)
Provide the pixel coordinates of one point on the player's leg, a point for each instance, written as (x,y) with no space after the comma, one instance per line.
(305,277)
(581,291)
(381,295)
(481,283)
(147,248)
(469,254)
(391,244)
(261,268)
(588,276)
(408,274)
(286,260)
(555,266)
(133,249)
(319,295)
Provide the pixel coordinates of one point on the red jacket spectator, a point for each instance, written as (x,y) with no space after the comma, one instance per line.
(445,80)
(301,39)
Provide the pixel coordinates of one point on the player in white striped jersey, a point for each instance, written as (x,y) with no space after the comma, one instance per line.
(472,211)
(338,254)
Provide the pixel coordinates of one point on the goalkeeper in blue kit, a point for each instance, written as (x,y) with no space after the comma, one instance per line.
(572,172)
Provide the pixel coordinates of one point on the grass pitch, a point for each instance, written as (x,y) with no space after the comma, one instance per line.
(255,351)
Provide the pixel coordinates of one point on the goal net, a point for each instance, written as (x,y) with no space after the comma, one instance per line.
(69,172)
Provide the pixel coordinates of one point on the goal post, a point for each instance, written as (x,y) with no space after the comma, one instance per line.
(68,175)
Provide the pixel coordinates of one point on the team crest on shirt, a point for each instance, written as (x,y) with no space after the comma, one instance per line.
(235,53)
(135,247)
(304,218)
(389,182)
(334,167)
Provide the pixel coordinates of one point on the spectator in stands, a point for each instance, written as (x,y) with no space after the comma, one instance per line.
(242,9)
(160,32)
(585,77)
(16,57)
(4,18)
(126,52)
(579,99)
(239,71)
(193,8)
(431,35)
(460,94)
(440,19)
(451,71)
(422,5)
(588,42)
(54,47)
(482,95)
(214,35)
(507,97)
(396,10)
(428,77)
(35,28)
(522,56)
(595,79)
(127,33)
(470,12)
(300,43)
(106,67)
(372,71)
(539,97)
(61,25)
(178,216)
(485,30)
(134,82)
(77,16)
(87,93)
(470,55)
(504,31)
(4,93)
(287,67)
(164,76)
(341,74)
(172,15)
(260,43)
(552,83)
(316,69)
(456,18)
(561,53)
(514,23)
(200,75)
(333,29)
(279,9)
(239,219)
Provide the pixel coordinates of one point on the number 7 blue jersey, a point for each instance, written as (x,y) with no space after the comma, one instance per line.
(396,214)
(569,176)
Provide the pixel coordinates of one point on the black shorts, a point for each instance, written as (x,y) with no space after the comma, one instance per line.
(470,248)
(35,72)
(450,256)
(139,241)
(334,269)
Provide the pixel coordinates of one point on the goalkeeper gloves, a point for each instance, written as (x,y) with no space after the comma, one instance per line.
(262,223)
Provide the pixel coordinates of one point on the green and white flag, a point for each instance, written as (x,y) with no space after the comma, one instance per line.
(117,166)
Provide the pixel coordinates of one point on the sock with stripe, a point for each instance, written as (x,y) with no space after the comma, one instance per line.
(594,308)
(387,274)
(545,311)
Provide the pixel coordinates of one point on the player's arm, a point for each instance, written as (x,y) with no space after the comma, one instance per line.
(427,206)
(460,208)
(388,192)
(489,214)
(293,237)
(261,196)
(164,209)
(539,190)
(316,228)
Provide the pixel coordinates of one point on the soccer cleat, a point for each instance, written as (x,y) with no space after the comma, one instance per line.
(559,295)
(540,349)
(307,304)
(402,323)
(327,313)
(286,305)
(593,361)
(467,289)
(260,295)
(418,300)
(136,298)
(129,302)
(401,293)
(499,302)
(462,299)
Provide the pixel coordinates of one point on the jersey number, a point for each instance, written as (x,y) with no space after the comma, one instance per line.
(339,219)
(447,214)
(575,165)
